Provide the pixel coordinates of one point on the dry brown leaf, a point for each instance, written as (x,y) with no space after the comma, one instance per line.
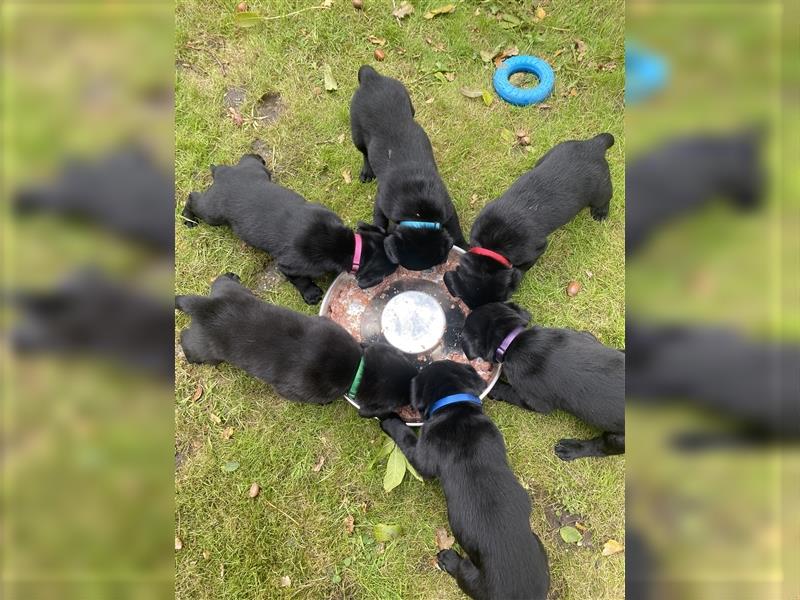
(178,543)
(430,100)
(612,547)
(540,13)
(241,7)
(346,176)
(443,540)
(318,467)
(373,39)
(327,3)
(358,4)
(573,92)
(544,107)
(227,433)
(379,54)
(198,392)
(433,561)
(349,524)
(206,554)
(580,49)
(523,139)
(286,581)
(573,288)
(215,419)
(511,51)
(402,11)
(254,490)
(236,116)
(440,10)
(450,76)
(341,138)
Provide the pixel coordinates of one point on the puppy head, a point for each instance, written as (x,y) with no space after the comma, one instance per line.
(375,265)
(486,327)
(418,249)
(386,383)
(443,378)
(480,280)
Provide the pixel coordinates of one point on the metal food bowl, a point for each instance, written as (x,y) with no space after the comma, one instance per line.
(410,310)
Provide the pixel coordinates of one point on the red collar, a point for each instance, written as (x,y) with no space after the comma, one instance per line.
(491,254)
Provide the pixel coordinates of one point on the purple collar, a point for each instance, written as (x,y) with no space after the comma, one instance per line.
(500,353)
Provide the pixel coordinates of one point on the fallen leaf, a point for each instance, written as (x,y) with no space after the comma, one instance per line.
(247,19)
(376,40)
(230,466)
(395,470)
(580,49)
(336,578)
(349,524)
(241,7)
(402,11)
(206,554)
(316,90)
(540,13)
(327,3)
(227,433)
(570,535)
(487,97)
(469,93)
(487,55)
(573,288)
(198,392)
(612,547)
(437,46)
(215,419)
(559,52)
(544,107)
(430,100)
(318,467)
(327,75)
(512,51)
(379,54)
(358,4)
(522,138)
(573,92)
(236,116)
(589,274)
(450,76)
(439,10)
(346,176)
(508,136)
(254,490)
(286,581)
(178,543)
(341,138)
(443,540)
(383,533)
(473,200)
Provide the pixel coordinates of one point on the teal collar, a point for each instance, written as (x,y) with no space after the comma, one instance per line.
(420,225)
(357,380)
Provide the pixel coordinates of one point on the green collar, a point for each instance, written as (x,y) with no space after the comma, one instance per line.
(357,380)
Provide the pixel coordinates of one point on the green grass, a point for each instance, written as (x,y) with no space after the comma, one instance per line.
(296,527)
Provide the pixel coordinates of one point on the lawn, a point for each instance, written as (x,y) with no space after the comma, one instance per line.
(237,547)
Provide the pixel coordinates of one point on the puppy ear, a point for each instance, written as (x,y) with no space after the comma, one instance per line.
(391,246)
(472,379)
(415,394)
(526,316)
(363,226)
(468,346)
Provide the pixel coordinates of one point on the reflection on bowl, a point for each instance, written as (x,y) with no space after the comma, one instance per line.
(412,311)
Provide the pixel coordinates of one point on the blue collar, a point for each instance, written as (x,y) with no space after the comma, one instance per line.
(420,225)
(453,399)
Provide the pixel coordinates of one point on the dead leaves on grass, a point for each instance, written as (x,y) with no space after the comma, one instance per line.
(444,541)
(439,10)
(611,547)
(318,466)
(349,524)
(402,11)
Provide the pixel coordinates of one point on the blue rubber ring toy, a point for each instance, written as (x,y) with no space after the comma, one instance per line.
(524,96)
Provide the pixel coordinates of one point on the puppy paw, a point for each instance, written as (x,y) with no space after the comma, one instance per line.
(599,214)
(233,276)
(569,449)
(366,176)
(391,421)
(188,223)
(313,295)
(448,560)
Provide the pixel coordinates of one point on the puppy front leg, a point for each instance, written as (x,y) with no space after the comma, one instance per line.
(466,574)
(506,393)
(406,440)
(603,445)
(453,227)
(378,218)
(310,291)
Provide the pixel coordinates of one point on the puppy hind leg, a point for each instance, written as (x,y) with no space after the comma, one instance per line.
(366,171)
(466,574)
(195,348)
(600,213)
(606,444)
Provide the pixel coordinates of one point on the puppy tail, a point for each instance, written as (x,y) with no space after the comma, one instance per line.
(365,72)
(605,139)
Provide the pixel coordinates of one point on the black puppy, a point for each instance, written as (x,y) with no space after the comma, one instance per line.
(510,234)
(684,174)
(553,368)
(488,510)
(411,194)
(306,239)
(307,359)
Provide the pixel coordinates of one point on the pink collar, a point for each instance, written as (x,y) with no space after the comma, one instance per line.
(356,254)
(491,254)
